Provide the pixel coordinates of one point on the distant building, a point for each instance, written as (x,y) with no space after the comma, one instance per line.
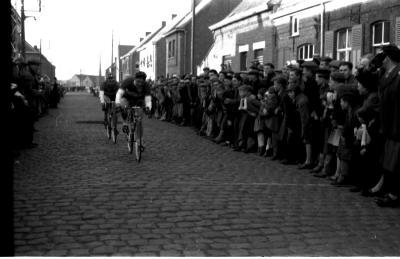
(45,67)
(84,82)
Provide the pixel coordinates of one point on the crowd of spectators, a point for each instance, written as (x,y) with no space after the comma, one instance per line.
(339,122)
(33,94)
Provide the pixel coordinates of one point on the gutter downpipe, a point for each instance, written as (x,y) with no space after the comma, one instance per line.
(322,29)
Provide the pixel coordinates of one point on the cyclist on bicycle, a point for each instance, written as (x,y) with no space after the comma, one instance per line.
(134,91)
(108,92)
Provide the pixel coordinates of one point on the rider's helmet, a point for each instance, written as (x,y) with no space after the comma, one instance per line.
(141,75)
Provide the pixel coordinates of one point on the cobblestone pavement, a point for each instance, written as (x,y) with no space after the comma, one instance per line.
(78,194)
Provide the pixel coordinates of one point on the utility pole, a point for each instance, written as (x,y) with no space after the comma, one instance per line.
(23,17)
(192,69)
(80,78)
(22,29)
(112,48)
(40,56)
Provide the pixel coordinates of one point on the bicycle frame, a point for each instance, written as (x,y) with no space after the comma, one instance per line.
(135,115)
(111,120)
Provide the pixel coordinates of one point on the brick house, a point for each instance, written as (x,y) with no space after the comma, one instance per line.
(361,28)
(45,67)
(178,39)
(245,35)
(279,31)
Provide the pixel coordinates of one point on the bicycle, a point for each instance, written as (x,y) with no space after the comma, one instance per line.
(135,131)
(111,121)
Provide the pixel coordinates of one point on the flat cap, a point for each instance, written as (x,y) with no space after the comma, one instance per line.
(309,64)
(392,51)
(335,63)
(338,77)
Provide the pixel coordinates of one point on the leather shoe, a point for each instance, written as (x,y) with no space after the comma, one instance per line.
(305,166)
(370,193)
(342,183)
(316,169)
(387,201)
(356,189)
(287,162)
(321,175)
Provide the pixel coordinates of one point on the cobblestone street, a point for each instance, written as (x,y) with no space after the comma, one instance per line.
(77,194)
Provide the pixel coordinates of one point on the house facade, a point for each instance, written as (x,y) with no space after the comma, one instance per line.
(286,30)
(178,39)
(245,35)
(147,53)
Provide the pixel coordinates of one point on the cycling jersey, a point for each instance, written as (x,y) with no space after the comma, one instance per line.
(133,94)
(109,88)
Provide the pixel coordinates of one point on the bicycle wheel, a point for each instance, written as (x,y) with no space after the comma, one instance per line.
(114,135)
(109,130)
(138,149)
(130,142)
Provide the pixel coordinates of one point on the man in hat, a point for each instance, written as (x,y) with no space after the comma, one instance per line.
(298,127)
(334,65)
(254,78)
(324,62)
(389,93)
(269,74)
(206,70)
(311,90)
(321,134)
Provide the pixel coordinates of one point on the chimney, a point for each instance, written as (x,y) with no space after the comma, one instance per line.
(141,39)
(163,23)
(147,33)
(173,16)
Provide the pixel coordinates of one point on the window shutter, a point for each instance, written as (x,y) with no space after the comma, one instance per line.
(357,37)
(397,31)
(329,44)
(356,43)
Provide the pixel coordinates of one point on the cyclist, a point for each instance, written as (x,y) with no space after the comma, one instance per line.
(134,91)
(108,92)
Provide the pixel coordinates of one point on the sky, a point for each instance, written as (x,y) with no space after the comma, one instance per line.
(76,34)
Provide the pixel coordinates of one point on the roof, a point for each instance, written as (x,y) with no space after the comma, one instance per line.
(188,17)
(144,41)
(245,9)
(123,49)
(148,38)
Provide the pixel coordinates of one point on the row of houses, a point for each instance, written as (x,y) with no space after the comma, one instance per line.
(237,32)
(83,82)
(46,68)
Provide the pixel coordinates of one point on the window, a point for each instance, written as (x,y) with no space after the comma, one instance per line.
(171,49)
(294,21)
(227,60)
(380,34)
(243,60)
(259,55)
(305,52)
(343,46)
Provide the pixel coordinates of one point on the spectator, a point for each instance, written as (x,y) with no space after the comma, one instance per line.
(324,63)
(322,128)
(345,153)
(346,68)
(389,93)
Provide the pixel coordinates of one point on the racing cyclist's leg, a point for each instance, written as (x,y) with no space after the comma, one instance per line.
(124,104)
(106,107)
(114,117)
